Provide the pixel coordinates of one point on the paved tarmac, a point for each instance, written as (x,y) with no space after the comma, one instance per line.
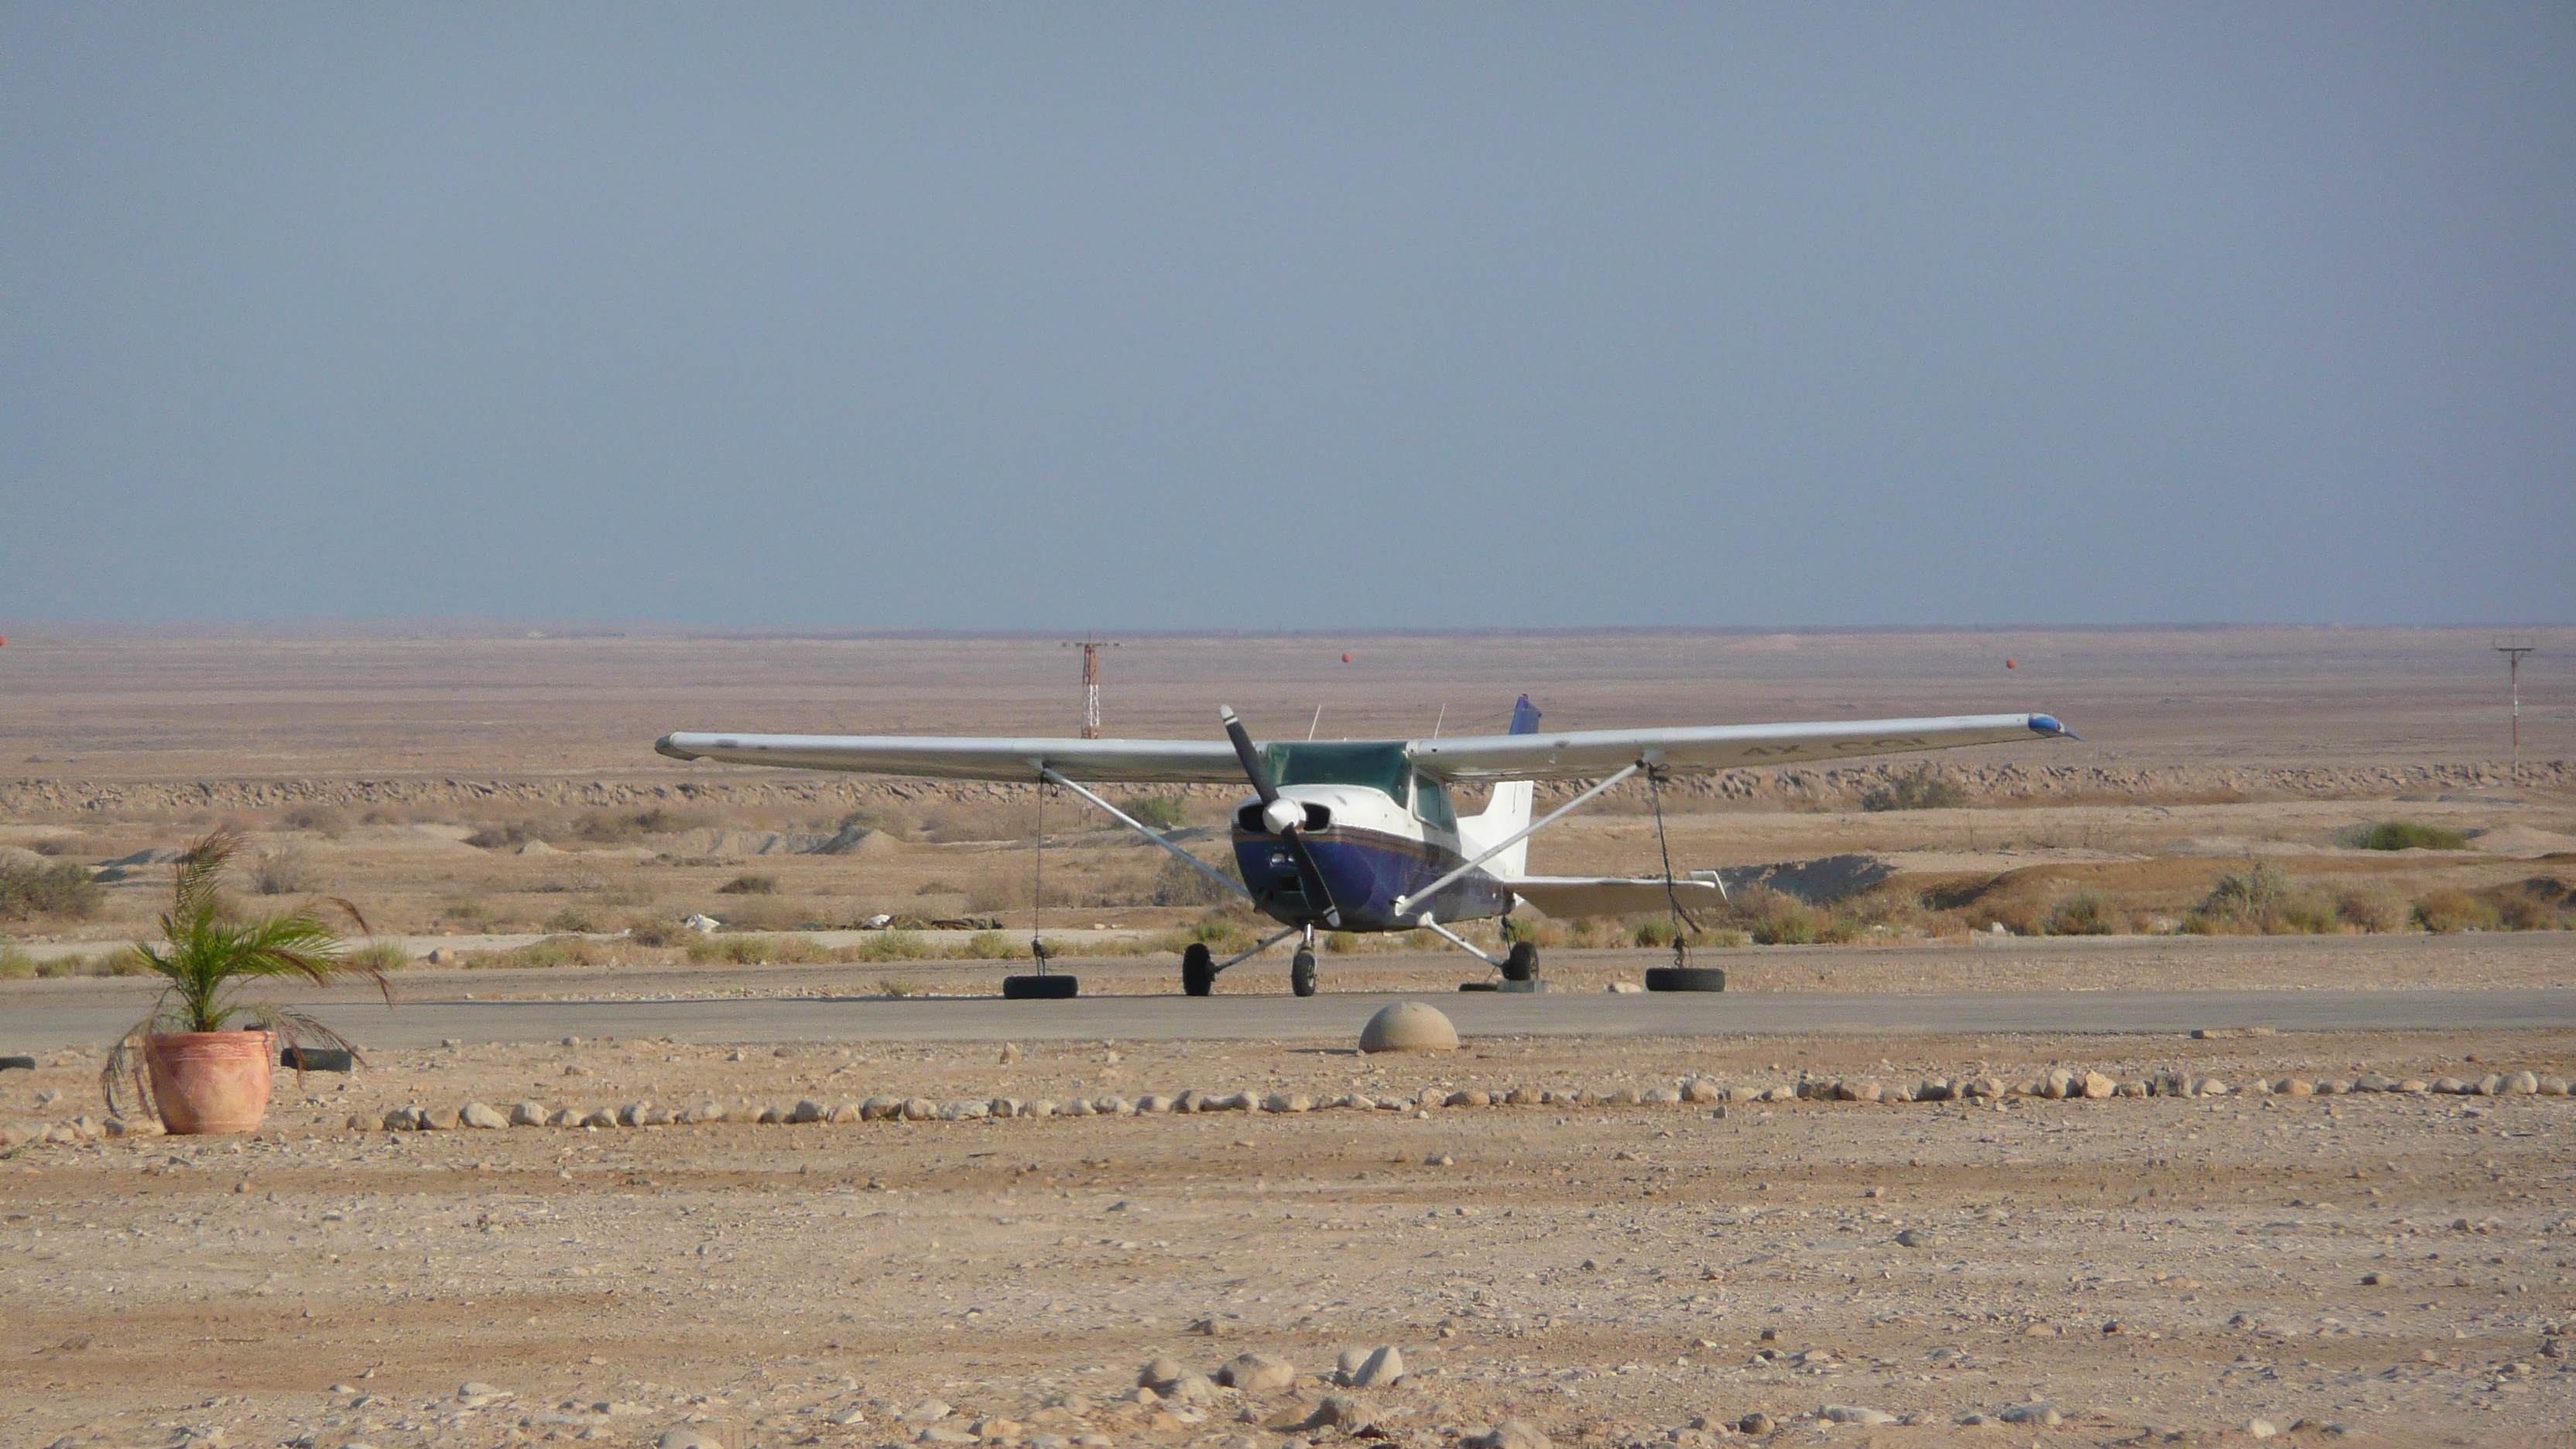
(31,1025)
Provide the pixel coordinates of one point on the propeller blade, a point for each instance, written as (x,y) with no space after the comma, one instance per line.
(1251,758)
(1309,876)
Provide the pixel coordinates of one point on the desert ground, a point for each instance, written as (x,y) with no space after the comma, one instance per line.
(2353,1267)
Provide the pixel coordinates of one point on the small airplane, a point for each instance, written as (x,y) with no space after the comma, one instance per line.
(1359,835)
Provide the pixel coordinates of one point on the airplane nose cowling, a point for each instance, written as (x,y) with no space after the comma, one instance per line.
(1282,815)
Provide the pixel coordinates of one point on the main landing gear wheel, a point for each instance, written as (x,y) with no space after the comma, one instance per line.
(1198,970)
(1522,963)
(1040,988)
(1301,974)
(1685,978)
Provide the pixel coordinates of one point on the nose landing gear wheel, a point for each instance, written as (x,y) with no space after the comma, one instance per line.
(1301,974)
(1198,970)
(1522,963)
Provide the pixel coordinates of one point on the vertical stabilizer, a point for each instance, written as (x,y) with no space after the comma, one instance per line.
(1508,811)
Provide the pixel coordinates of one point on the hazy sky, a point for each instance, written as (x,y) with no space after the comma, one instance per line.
(1289,316)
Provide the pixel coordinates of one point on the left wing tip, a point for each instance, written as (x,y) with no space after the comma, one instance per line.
(663,746)
(2050,726)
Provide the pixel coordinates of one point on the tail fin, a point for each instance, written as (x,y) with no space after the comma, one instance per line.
(1507,812)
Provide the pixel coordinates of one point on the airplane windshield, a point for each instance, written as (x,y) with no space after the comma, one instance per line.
(1378,766)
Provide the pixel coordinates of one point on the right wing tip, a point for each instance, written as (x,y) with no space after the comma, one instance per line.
(664,747)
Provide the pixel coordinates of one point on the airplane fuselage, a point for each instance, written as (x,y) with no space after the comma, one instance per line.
(1371,853)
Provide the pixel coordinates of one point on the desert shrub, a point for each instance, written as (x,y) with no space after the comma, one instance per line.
(2403,835)
(1919,790)
(2452,909)
(326,821)
(1178,885)
(751,950)
(466,910)
(2373,909)
(939,888)
(552,952)
(51,845)
(283,872)
(576,920)
(653,931)
(1162,812)
(380,956)
(897,986)
(2248,893)
(1786,921)
(749,885)
(15,964)
(992,946)
(2262,900)
(1341,943)
(895,945)
(1654,933)
(501,836)
(61,889)
(2521,912)
(2087,913)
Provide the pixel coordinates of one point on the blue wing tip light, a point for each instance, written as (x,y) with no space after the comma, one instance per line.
(2047,724)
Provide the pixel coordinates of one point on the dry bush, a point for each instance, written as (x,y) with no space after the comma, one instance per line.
(1919,790)
(2087,913)
(1774,918)
(2375,909)
(63,890)
(547,954)
(503,835)
(1162,812)
(655,931)
(287,871)
(326,821)
(2452,909)
(749,885)
(1176,884)
(576,920)
(380,956)
(15,964)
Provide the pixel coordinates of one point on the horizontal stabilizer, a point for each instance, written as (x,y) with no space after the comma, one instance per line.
(1563,896)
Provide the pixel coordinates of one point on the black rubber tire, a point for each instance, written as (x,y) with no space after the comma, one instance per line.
(318,1059)
(1685,978)
(1522,963)
(1198,970)
(1041,988)
(1301,974)
(17,1064)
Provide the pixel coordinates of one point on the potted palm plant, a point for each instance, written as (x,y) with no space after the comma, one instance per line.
(181,1061)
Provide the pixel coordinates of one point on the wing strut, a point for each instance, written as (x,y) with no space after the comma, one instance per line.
(1048,772)
(1524,833)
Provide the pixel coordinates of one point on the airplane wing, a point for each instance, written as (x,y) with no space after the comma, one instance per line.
(1565,896)
(1589,754)
(948,758)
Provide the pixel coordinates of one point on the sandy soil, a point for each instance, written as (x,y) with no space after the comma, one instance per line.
(1612,1275)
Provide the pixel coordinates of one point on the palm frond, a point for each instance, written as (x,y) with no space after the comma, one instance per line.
(201,869)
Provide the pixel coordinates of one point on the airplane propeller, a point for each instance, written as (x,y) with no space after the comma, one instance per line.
(1282,816)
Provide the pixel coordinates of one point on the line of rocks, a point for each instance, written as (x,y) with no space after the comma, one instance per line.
(2058,1084)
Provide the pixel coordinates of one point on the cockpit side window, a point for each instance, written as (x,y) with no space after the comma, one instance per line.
(1431,803)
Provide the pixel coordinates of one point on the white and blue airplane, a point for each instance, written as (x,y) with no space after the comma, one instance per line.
(1359,835)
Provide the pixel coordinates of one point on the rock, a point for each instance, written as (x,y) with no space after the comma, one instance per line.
(1914,1238)
(1408,1026)
(1154,1104)
(1010,1052)
(1702,1090)
(1287,1102)
(563,1117)
(2260,1428)
(1337,1411)
(920,1109)
(1190,1389)
(1113,1106)
(436,1119)
(402,1119)
(2522,1084)
(601,1118)
(964,1112)
(2450,1086)
(2096,1086)
(527,1114)
(1854,1414)
(1626,988)
(844,1114)
(1511,1434)
(1756,1422)
(1160,1371)
(1521,1097)
(944,1434)
(632,1114)
(1257,1373)
(482,1118)
(1469,1097)
(2059,1084)
(2553,1086)
(806,1110)
(1668,1097)
(685,1438)
(926,1412)
(2036,1412)
(1744,1094)
(880,1109)
(2490,1086)
(1383,1366)
(703,1113)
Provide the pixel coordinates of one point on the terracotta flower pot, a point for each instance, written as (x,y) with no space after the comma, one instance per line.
(211,1081)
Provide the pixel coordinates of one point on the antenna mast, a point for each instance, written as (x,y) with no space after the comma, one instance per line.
(2513,650)
(1090,648)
